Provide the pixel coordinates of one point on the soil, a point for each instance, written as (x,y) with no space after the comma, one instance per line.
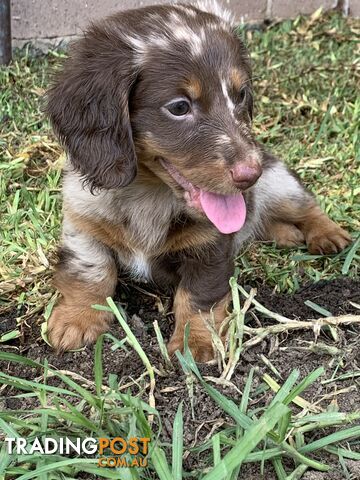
(285,351)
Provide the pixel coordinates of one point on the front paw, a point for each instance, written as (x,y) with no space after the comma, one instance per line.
(327,239)
(285,235)
(71,327)
(202,352)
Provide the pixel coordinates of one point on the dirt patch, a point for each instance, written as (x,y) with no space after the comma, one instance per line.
(335,296)
(286,352)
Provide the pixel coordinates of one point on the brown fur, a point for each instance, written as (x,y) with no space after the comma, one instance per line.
(199,337)
(321,235)
(113,235)
(236,79)
(117,237)
(193,87)
(136,169)
(284,234)
(73,322)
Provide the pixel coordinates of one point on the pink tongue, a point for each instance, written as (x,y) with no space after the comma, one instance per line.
(226,212)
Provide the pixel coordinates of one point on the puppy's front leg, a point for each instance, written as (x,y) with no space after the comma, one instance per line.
(290,215)
(203,295)
(85,275)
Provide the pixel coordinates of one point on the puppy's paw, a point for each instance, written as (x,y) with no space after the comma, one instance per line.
(327,238)
(201,352)
(72,327)
(285,235)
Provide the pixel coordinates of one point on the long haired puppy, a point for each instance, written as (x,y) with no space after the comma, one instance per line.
(164,179)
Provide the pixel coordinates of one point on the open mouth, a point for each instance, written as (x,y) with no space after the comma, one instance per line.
(226,212)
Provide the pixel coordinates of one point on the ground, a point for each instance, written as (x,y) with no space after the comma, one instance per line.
(305,79)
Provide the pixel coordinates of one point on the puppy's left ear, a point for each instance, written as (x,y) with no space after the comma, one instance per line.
(88,108)
(250,102)
(245,60)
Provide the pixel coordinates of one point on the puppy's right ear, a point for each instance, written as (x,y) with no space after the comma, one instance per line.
(88,106)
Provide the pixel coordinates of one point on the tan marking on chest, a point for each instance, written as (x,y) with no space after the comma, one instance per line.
(119,238)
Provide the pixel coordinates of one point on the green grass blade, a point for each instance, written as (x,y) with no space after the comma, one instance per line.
(246,392)
(177,444)
(9,432)
(162,344)
(317,308)
(262,455)
(279,469)
(343,452)
(122,473)
(80,418)
(350,256)
(29,385)
(216,448)
(336,437)
(51,467)
(98,366)
(12,357)
(284,426)
(286,387)
(304,384)
(136,346)
(253,437)
(227,405)
(297,473)
(160,463)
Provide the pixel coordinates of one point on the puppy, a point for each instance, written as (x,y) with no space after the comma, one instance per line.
(164,178)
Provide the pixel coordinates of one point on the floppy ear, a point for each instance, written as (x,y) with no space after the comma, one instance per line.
(245,60)
(88,108)
(250,103)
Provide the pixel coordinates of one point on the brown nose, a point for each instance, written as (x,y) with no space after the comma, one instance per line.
(245,175)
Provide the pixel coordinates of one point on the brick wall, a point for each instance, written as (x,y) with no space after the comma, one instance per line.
(48,22)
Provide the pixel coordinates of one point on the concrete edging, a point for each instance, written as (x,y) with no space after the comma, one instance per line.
(48,24)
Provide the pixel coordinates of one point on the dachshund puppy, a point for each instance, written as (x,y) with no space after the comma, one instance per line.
(164,178)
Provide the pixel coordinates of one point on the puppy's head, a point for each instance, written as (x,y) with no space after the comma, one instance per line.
(169,86)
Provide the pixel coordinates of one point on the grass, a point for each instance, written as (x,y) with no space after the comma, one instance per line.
(308,112)
(281,432)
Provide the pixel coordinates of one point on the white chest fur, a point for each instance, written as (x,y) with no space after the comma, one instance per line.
(139,266)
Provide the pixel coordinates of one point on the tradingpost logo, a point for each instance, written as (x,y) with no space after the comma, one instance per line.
(111,452)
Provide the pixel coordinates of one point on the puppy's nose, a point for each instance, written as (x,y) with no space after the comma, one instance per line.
(245,175)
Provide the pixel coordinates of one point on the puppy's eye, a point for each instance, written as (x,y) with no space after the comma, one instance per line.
(178,108)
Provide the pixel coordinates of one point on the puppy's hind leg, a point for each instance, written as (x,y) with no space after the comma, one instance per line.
(290,215)
(284,234)
(85,275)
